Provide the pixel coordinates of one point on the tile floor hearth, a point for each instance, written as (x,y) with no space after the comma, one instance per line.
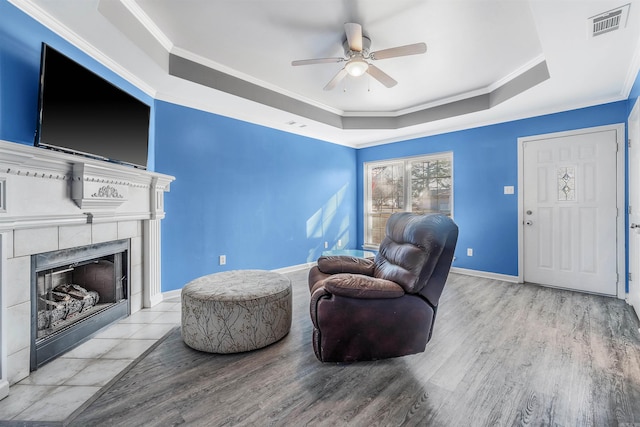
(57,389)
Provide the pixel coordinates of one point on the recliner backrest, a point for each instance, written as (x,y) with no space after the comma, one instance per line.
(416,253)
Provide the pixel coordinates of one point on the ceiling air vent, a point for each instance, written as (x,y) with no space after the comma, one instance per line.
(608,21)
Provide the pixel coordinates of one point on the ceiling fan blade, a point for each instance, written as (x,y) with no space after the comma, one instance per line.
(354,36)
(316,61)
(381,76)
(336,79)
(410,49)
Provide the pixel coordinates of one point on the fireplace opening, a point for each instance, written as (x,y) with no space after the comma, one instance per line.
(75,293)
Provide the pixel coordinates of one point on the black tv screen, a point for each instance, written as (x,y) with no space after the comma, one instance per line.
(82,113)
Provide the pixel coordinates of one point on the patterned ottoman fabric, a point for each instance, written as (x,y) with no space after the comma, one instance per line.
(236,311)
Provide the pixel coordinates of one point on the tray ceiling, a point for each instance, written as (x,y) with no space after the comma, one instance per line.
(486,61)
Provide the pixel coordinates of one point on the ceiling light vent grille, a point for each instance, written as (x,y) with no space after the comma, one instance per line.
(608,21)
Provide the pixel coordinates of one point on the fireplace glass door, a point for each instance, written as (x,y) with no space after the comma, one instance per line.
(71,293)
(76,292)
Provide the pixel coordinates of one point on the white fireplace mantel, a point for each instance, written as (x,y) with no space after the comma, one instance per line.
(51,200)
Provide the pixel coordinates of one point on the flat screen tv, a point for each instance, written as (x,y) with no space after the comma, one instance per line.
(81,113)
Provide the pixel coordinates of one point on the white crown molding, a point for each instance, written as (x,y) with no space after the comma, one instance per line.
(454,98)
(517,72)
(63,31)
(562,108)
(632,73)
(148,24)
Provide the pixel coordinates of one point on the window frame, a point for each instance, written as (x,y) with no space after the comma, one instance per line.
(407,182)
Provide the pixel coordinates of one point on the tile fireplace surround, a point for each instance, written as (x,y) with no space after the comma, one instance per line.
(51,200)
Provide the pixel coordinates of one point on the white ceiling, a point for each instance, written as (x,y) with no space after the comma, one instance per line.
(473,48)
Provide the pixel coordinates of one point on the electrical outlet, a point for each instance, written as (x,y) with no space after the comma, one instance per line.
(339,243)
(223,259)
(326,245)
(469,252)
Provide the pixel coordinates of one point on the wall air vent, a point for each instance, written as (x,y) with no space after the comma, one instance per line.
(608,21)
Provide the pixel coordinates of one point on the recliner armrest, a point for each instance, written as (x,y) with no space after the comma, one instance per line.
(345,264)
(362,287)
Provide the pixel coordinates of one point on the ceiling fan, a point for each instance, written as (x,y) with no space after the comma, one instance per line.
(357,57)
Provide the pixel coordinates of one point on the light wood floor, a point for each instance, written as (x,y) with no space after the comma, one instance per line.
(502,354)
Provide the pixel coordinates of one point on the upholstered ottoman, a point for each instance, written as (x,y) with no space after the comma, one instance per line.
(236,311)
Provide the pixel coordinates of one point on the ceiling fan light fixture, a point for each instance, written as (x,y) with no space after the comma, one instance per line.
(356,67)
(357,54)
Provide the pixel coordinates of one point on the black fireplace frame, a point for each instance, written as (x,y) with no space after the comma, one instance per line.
(46,349)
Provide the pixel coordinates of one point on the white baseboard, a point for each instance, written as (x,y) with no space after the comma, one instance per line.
(176,292)
(485,274)
(171,294)
(293,268)
(476,273)
(4,389)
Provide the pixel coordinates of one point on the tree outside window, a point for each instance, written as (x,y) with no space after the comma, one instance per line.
(421,185)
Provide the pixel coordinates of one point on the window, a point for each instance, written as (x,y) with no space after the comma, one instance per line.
(417,184)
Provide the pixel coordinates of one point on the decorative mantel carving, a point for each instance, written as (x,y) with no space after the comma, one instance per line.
(108,191)
(94,188)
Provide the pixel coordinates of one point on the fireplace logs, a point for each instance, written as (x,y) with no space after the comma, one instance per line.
(64,302)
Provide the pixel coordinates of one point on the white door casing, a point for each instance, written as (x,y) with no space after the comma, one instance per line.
(570,193)
(634,207)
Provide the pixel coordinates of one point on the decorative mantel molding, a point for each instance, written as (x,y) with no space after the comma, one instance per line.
(28,161)
(97,186)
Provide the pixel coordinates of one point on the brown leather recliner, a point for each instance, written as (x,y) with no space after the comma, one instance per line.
(369,309)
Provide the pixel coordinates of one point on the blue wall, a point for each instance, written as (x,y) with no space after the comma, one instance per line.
(269,199)
(485,159)
(264,198)
(635,93)
(21,38)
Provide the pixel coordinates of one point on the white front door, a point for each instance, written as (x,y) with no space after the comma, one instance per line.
(634,208)
(569,211)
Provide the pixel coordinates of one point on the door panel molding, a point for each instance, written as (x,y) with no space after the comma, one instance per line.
(620,195)
(633,160)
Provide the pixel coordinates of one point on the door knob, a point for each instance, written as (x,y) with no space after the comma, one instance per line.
(634,225)
(529,222)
